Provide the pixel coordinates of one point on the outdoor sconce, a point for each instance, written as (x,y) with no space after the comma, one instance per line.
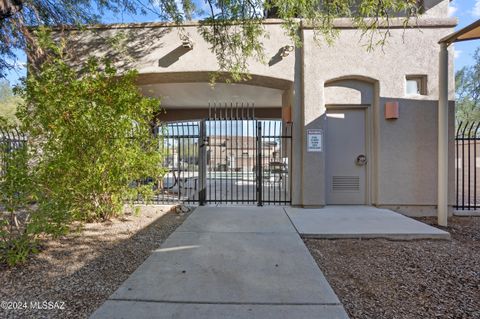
(187,42)
(286,50)
(391,111)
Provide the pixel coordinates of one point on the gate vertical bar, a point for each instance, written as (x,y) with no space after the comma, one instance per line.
(259,164)
(469,165)
(230,157)
(243,157)
(457,164)
(222,144)
(463,168)
(475,167)
(178,164)
(202,164)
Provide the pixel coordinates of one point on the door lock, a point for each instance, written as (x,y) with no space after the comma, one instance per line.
(361,160)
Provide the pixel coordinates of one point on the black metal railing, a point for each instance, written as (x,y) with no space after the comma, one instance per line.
(229,158)
(467,166)
(179,144)
(10,140)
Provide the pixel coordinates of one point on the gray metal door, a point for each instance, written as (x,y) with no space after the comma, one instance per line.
(346,158)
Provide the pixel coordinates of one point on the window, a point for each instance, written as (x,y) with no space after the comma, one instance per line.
(416,84)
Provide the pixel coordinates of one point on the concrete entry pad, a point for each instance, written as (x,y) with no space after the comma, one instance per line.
(360,222)
(228,262)
(249,219)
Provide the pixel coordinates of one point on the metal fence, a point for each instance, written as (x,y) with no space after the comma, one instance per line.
(178,142)
(247,161)
(225,160)
(467,166)
(10,141)
(229,158)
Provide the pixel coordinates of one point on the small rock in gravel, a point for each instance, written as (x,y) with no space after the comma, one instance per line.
(384,279)
(83,269)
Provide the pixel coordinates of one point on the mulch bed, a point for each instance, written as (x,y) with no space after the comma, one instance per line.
(80,271)
(410,279)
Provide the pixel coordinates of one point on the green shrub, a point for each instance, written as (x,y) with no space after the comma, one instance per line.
(89,140)
(17,238)
(91,137)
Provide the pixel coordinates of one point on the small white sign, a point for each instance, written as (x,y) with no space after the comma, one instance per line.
(314,140)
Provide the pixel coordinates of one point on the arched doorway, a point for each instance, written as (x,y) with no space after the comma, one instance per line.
(226,144)
(350,126)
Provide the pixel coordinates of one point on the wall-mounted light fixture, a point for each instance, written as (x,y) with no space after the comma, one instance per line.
(285,51)
(391,111)
(187,42)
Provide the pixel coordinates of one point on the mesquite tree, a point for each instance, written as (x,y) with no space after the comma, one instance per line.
(467,82)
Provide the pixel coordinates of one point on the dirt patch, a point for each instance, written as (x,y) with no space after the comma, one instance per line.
(405,280)
(81,270)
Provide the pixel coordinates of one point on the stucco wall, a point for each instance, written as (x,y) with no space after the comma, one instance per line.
(156,49)
(348,92)
(436,8)
(404,163)
(406,157)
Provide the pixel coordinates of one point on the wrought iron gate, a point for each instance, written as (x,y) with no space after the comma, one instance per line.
(229,158)
(467,173)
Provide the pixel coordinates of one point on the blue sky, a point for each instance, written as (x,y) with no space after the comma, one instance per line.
(467,11)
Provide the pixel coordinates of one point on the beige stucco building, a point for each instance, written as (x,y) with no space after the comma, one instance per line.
(375,112)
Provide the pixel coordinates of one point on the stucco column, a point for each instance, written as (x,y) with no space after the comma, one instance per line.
(442,195)
(297,130)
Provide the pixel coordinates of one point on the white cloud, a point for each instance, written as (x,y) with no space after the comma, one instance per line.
(452,8)
(476,8)
(456,53)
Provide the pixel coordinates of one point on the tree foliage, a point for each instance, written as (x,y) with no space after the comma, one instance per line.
(93,136)
(467,83)
(8,102)
(17,236)
(233,28)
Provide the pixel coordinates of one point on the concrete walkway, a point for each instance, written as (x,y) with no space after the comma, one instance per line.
(360,222)
(228,262)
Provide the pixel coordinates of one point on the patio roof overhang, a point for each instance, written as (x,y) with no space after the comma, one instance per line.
(470,32)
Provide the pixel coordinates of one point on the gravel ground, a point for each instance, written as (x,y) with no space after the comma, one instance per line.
(416,279)
(81,270)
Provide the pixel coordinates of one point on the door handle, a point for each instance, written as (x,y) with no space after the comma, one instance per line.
(361,160)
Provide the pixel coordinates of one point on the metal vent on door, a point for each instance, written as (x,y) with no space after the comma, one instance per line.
(346,183)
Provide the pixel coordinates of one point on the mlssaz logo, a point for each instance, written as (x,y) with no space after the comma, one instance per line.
(47,305)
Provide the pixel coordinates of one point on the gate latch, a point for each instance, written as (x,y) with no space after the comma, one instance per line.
(206,140)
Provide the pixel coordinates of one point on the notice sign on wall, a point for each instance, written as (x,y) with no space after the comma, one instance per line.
(314,140)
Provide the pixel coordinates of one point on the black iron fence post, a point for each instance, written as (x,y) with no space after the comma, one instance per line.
(259,169)
(202,164)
